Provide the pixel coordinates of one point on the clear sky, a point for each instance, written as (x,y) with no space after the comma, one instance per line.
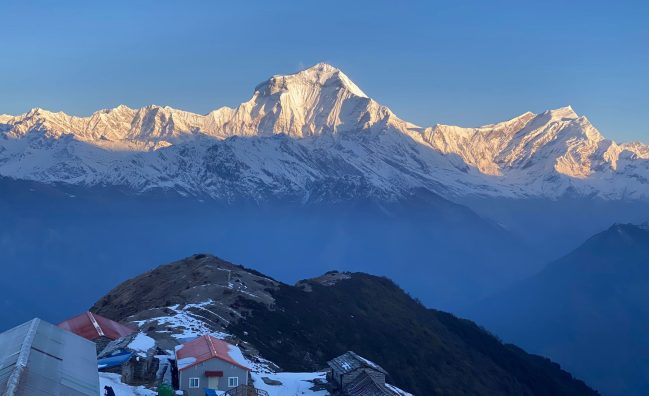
(454,62)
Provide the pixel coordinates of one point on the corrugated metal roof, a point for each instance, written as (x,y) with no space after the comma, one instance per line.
(92,326)
(350,361)
(40,359)
(202,349)
(365,385)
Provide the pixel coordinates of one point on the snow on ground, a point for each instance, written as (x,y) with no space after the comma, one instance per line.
(141,344)
(293,384)
(121,389)
(191,326)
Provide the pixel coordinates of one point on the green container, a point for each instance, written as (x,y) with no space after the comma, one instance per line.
(165,390)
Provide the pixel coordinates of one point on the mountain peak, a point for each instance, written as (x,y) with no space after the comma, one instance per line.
(36,111)
(320,75)
(323,67)
(563,113)
(122,107)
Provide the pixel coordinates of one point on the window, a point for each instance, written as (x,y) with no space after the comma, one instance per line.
(194,382)
(233,382)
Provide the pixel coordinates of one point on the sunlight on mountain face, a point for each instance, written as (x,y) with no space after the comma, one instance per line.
(323,124)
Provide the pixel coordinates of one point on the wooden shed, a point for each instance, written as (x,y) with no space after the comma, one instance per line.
(353,375)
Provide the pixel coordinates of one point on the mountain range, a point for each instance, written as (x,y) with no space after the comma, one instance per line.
(315,136)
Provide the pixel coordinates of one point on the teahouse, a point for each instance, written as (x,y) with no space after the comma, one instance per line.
(208,363)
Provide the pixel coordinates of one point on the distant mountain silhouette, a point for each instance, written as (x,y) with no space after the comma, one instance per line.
(588,310)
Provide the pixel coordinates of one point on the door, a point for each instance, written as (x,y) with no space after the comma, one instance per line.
(213,382)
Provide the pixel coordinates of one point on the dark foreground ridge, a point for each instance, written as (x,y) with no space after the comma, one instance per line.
(300,327)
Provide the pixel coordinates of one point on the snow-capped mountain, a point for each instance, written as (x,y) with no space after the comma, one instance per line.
(315,135)
(549,154)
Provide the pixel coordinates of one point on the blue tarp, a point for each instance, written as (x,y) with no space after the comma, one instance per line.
(212,392)
(114,361)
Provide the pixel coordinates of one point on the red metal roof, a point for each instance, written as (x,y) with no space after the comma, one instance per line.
(205,348)
(92,326)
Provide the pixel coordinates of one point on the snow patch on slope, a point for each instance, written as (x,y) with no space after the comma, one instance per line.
(185,324)
(141,344)
(290,384)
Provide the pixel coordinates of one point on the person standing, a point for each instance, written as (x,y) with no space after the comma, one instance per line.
(108,391)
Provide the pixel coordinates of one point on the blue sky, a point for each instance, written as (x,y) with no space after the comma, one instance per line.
(454,62)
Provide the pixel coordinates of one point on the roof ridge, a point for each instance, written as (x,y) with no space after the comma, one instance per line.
(211,346)
(94,322)
(23,356)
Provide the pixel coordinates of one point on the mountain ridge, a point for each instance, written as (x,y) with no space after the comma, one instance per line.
(300,327)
